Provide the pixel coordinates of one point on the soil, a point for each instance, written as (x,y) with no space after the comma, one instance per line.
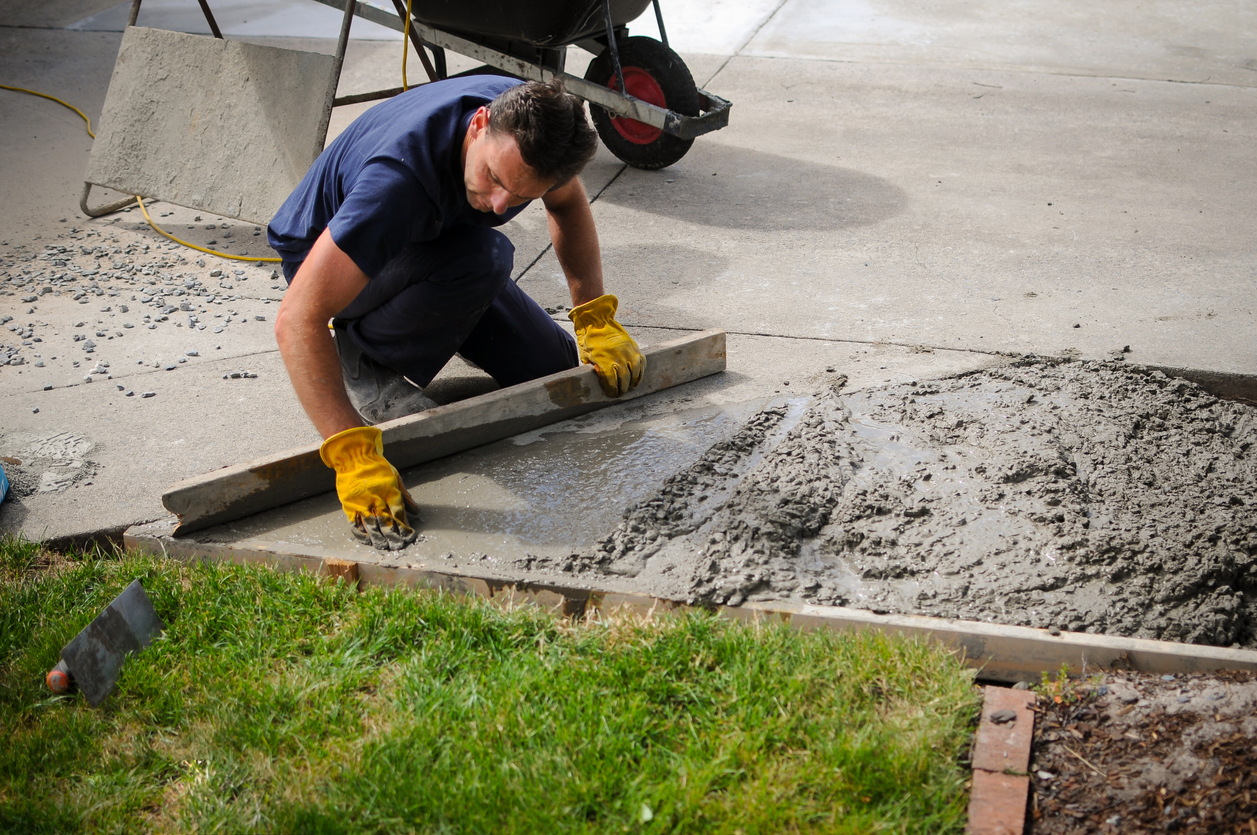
(1080,496)
(1134,753)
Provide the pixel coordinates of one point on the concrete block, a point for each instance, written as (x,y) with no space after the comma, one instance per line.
(223,126)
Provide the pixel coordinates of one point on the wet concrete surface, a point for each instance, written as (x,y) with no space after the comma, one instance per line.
(545,494)
(1082,496)
(1074,495)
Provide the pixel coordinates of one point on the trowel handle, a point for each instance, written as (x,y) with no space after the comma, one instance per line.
(59,678)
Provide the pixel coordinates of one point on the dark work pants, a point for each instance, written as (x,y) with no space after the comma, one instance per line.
(455,295)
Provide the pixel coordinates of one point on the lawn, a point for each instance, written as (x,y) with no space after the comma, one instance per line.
(276,702)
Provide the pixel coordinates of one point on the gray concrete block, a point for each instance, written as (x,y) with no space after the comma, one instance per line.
(224,126)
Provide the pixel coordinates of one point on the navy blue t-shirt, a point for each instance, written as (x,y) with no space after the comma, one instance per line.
(394,176)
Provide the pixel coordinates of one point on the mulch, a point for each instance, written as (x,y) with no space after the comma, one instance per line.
(1133,753)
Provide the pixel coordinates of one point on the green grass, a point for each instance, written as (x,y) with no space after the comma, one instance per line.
(278,703)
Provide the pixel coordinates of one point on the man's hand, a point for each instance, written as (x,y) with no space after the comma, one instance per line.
(602,342)
(370,489)
(606,346)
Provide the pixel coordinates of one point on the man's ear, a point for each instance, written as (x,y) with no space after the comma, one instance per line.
(479,122)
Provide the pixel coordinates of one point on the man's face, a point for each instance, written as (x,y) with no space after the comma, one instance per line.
(495,174)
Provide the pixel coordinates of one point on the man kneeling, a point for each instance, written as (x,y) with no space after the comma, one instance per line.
(390,236)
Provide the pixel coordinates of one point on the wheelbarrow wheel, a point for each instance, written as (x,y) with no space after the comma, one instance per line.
(656,75)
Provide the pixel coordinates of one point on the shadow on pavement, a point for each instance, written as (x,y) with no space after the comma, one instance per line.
(736,188)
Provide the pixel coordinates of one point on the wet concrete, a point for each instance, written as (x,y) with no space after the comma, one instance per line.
(1082,496)
(544,495)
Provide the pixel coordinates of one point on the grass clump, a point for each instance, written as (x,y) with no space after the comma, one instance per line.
(278,703)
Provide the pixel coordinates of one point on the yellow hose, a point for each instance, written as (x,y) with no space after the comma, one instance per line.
(57,100)
(139,199)
(161,231)
(405,46)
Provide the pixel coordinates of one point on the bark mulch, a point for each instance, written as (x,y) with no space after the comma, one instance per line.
(1133,753)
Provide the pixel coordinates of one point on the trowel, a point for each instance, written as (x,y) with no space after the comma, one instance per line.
(93,660)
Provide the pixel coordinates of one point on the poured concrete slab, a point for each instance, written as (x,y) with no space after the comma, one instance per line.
(548,492)
(555,490)
(440,431)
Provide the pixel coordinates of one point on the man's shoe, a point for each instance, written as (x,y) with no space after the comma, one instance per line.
(378,393)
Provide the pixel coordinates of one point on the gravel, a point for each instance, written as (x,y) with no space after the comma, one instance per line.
(109,259)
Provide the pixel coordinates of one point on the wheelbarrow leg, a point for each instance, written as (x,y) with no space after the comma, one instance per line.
(418,44)
(663,33)
(209,18)
(617,77)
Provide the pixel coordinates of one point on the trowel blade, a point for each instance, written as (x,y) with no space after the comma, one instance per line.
(95,656)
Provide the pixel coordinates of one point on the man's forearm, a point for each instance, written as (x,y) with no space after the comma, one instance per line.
(310,357)
(576,245)
(325,283)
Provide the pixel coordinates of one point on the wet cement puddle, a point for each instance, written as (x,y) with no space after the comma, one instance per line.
(547,493)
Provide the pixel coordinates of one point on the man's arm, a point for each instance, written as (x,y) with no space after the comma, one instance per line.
(575,240)
(599,338)
(325,284)
(371,492)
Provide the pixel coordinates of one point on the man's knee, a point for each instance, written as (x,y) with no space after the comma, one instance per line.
(499,255)
(478,254)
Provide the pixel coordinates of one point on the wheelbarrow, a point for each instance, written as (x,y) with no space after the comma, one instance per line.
(644,102)
(165,134)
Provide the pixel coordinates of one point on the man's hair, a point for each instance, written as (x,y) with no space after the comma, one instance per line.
(549,125)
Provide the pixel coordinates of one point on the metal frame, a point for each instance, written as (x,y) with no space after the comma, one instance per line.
(715,109)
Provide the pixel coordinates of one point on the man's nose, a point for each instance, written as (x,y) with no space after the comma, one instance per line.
(501,200)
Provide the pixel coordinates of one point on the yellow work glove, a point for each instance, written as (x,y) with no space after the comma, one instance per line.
(370,489)
(607,346)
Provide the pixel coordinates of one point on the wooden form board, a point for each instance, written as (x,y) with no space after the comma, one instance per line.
(1001,653)
(229,494)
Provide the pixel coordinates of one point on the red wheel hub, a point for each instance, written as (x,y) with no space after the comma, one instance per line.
(642,85)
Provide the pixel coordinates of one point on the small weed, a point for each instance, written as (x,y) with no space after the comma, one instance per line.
(1062,689)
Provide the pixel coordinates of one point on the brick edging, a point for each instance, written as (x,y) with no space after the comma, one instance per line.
(1001,761)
